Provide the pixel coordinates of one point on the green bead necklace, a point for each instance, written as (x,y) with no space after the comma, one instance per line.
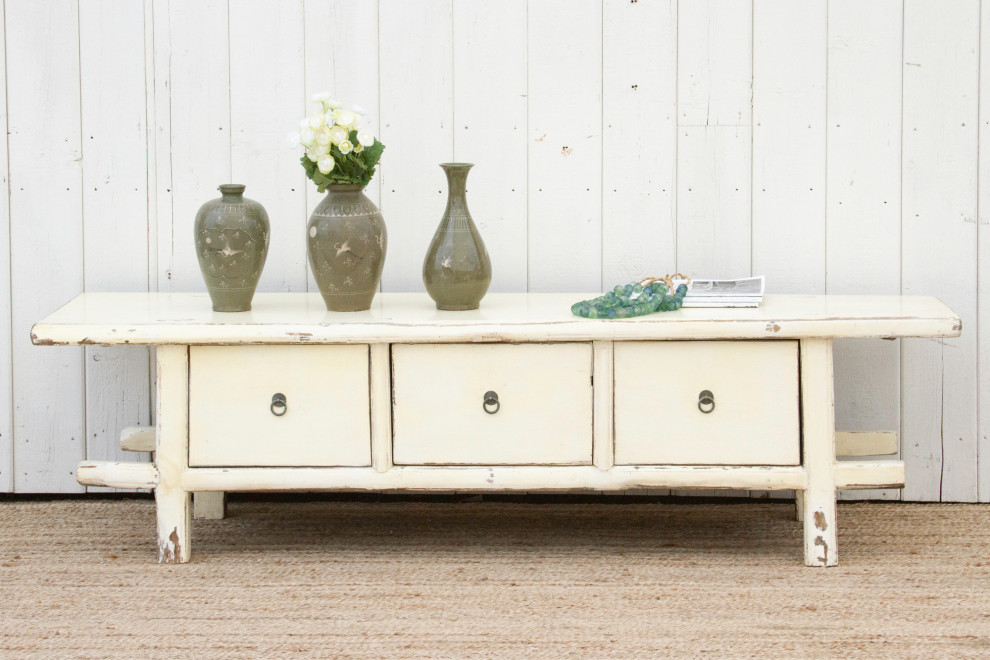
(634,299)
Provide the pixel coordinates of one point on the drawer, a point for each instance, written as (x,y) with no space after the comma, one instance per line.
(544,404)
(754,386)
(326,420)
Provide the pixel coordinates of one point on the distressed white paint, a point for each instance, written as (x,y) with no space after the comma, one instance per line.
(266,43)
(380,375)
(137,438)
(291,318)
(173,502)
(754,420)
(6,373)
(115,197)
(46,238)
(865,443)
(543,414)
(983,284)
(863,203)
(565,146)
(212,68)
(209,505)
(474,407)
(818,448)
(939,239)
(325,419)
(489,121)
(603,427)
(417,130)
(639,229)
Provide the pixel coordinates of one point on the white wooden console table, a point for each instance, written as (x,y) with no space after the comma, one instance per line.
(519,395)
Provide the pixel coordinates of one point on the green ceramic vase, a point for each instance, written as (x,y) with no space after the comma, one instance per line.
(347,240)
(231,235)
(457,270)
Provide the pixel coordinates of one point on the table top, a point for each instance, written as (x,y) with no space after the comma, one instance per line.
(298,318)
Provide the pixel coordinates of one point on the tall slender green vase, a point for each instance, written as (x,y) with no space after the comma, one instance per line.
(231,235)
(457,270)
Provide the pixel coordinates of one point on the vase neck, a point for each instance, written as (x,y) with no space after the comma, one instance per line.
(232,192)
(456,185)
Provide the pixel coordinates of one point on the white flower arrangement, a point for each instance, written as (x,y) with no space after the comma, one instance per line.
(338,150)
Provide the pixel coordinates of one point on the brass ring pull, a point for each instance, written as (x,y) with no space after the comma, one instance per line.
(491,404)
(279,406)
(706,401)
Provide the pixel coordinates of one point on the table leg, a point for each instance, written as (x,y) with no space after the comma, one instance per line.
(818,433)
(799,505)
(209,505)
(174,505)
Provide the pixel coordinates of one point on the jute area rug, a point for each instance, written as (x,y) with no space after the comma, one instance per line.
(565,579)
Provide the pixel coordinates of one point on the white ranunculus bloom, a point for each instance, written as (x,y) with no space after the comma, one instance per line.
(358,148)
(338,134)
(307,137)
(322,149)
(333,104)
(366,138)
(292,139)
(325,163)
(312,155)
(321,97)
(304,123)
(323,137)
(346,118)
(345,147)
(316,121)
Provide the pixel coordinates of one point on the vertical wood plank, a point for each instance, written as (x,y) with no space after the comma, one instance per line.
(714,139)
(603,445)
(788,189)
(789,64)
(341,57)
(381,407)
(115,211)
(490,37)
(417,130)
(198,79)
(983,285)
(565,146)
(939,244)
(6,375)
(639,105)
(46,239)
(863,204)
(714,144)
(266,86)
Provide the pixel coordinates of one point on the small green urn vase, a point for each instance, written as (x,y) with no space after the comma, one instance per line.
(457,270)
(231,235)
(346,239)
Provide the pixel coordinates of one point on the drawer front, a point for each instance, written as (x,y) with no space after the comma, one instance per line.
(543,413)
(753,417)
(326,420)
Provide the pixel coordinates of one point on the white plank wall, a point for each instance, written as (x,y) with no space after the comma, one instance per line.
(863,202)
(6,375)
(832,145)
(115,196)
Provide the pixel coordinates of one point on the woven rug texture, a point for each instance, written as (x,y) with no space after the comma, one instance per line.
(414,579)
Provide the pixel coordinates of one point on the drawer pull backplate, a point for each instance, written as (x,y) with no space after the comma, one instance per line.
(491,404)
(279,407)
(706,401)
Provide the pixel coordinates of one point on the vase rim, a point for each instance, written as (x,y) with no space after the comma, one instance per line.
(346,187)
(231,188)
(453,165)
